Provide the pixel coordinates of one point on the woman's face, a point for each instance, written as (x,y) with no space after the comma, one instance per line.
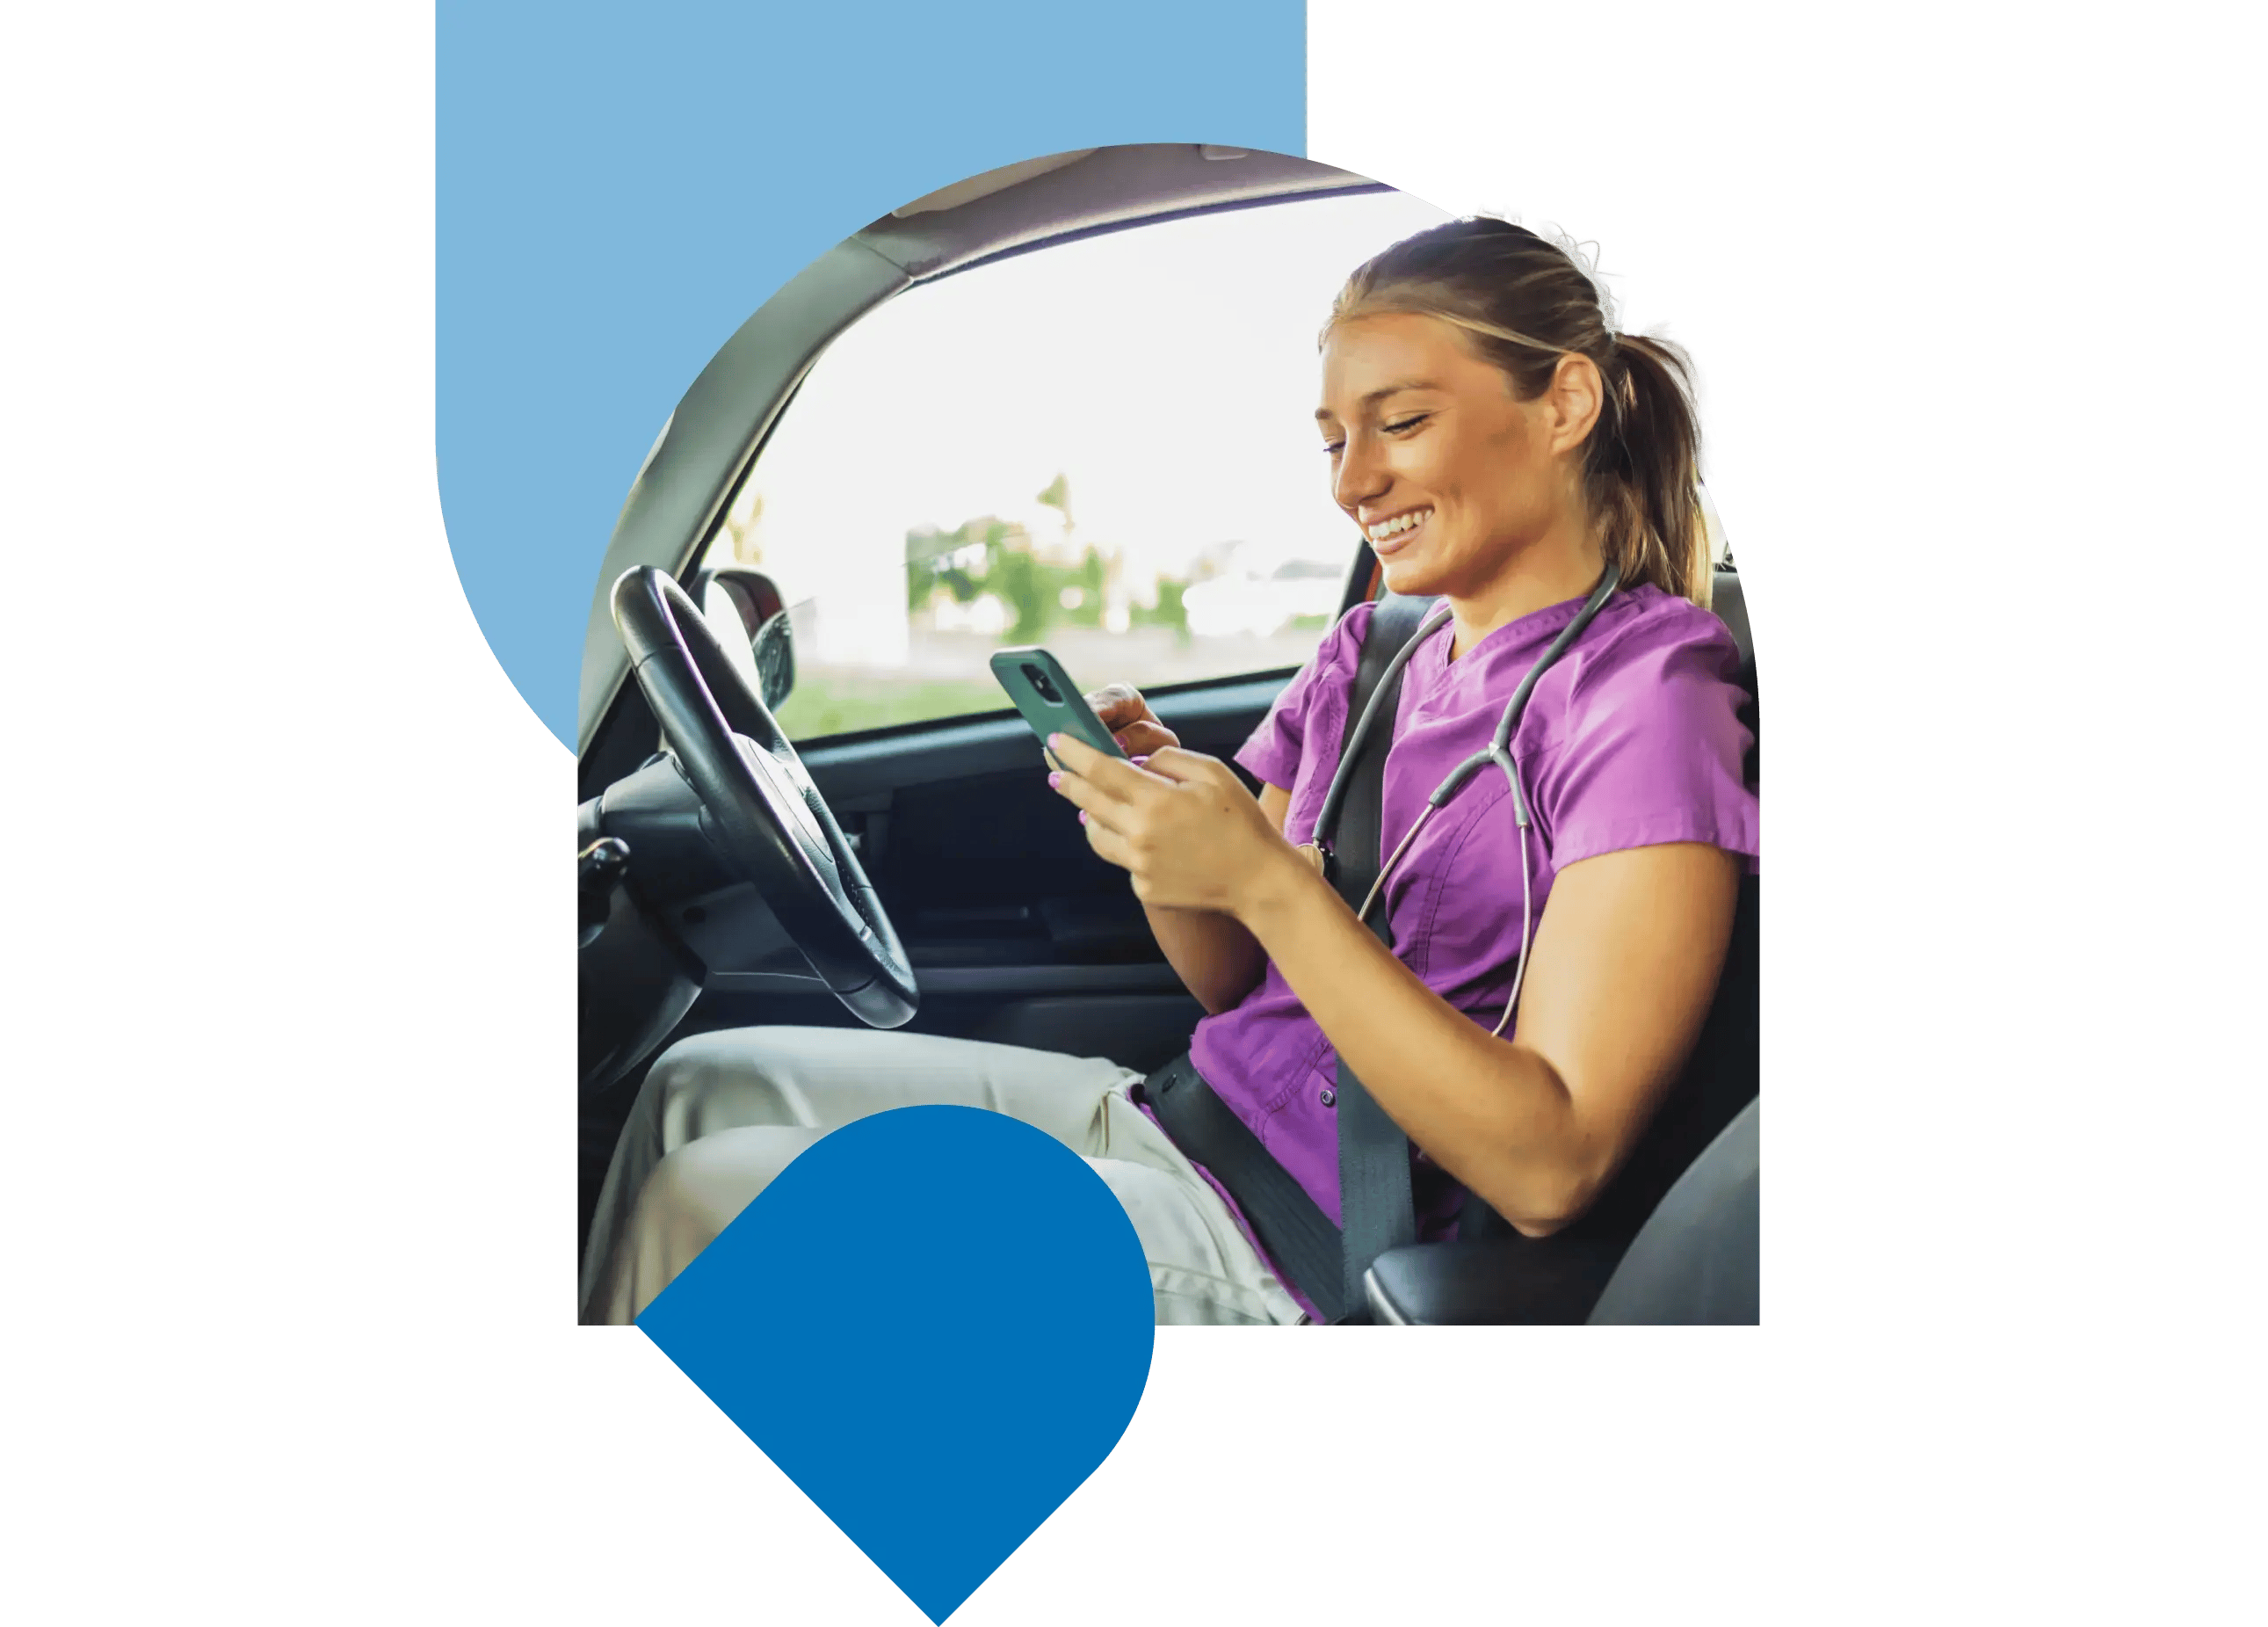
(1448,475)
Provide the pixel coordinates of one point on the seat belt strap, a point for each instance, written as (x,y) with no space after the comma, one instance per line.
(1285,1220)
(1377,1211)
(1325,1262)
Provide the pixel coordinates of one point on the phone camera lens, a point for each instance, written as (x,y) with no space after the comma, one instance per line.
(1040,682)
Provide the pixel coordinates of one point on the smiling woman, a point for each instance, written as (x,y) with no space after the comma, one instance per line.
(1471,364)
(1541,707)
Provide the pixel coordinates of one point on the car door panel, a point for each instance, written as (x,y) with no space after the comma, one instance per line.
(1017,931)
(980,864)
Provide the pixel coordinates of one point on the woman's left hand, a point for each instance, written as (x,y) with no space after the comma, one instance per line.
(1182,824)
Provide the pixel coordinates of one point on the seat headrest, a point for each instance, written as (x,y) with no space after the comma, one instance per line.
(1732,611)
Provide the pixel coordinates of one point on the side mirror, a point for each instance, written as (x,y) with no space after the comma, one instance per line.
(748,613)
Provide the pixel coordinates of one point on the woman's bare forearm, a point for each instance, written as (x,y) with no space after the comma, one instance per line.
(1217,960)
(1535,1124)
(1489,1110)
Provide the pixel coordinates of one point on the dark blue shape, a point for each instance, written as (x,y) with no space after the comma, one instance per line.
(937,1321)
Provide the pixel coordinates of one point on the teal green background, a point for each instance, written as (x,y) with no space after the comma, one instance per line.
(288,1151)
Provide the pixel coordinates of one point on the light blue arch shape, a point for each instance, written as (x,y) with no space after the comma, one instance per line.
(619,187)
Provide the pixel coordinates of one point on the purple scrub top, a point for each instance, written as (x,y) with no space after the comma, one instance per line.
(1632,738)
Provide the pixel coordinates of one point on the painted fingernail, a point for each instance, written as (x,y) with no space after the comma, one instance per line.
(1054,780)
(1055,743)
(1141,761)
(1082,816)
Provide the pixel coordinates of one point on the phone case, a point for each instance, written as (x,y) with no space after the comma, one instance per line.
(1050,701)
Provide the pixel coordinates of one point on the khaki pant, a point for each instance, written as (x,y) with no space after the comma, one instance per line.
(721,1114)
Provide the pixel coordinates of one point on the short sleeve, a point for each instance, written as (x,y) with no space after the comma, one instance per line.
(1653,753)
(1275,749)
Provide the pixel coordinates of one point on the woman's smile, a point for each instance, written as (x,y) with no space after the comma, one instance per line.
(1390,536)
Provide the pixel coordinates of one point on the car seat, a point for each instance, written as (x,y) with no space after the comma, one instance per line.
(1694,1261)
(1673,1237)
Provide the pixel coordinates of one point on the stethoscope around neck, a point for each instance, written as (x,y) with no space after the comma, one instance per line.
(1498,752)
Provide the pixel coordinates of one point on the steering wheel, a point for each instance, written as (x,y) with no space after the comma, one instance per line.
(760,809)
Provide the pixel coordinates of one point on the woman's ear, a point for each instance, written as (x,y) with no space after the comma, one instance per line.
(1575,398)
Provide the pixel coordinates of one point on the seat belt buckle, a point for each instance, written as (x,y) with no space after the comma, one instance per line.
(1151,1092)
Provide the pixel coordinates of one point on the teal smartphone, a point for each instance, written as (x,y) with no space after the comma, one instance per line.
(1050,701)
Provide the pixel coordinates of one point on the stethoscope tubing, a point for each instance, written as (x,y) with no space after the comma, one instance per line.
(1498,752)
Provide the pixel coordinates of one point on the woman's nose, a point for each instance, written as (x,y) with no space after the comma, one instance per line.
(1360,475)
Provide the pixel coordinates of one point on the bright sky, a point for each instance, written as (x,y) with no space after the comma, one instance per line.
(1170,371)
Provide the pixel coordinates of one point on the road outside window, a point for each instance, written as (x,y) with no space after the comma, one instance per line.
(1107,446)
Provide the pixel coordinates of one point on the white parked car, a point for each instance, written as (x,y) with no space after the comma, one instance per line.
(1260,606)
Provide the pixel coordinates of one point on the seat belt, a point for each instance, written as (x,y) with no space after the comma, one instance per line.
(1288,1223)
(1325,1262)
(1376,1208)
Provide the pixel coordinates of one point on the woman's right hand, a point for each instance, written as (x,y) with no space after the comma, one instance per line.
(1121,709)
(1215,958)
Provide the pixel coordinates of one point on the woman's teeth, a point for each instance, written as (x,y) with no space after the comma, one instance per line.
(1386,530)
